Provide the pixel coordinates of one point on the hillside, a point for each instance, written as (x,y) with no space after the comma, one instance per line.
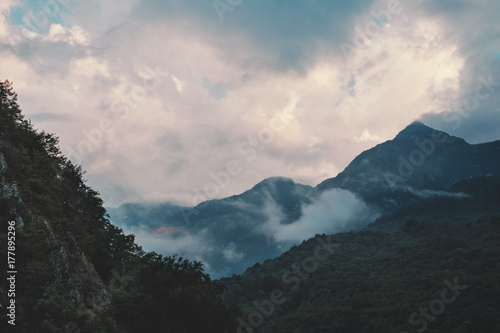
(427,277)
(467,200)
(74,270)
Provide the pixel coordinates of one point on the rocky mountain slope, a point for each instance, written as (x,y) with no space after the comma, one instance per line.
(418,159)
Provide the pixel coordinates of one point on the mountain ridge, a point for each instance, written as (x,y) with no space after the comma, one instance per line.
(419,157)
(237,223)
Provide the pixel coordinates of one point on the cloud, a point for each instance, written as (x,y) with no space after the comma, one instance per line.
(183,90)
(469,24)
(231,254)
(286,36)
(179,85)
(74,35)
(431,193)
(334,211)
(366,136)
(45,117)
(194,246)
(91,67)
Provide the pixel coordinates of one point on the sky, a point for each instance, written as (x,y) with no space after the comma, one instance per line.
(190,100)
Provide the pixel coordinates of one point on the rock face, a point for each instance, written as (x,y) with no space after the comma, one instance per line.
(88,290)
(8,191)
(70,266)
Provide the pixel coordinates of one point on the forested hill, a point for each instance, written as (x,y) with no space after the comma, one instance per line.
(75,270)
(432,277)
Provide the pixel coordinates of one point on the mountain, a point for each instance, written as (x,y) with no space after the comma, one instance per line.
(419,158)
(429,262)
(137,214)
(419,170)
(229,233)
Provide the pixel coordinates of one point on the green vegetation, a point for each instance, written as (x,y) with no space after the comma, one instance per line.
(374,281)
(77,271)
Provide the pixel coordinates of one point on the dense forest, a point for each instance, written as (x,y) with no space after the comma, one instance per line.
(77,272)
(427,277)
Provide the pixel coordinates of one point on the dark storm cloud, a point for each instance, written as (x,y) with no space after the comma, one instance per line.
(290,34)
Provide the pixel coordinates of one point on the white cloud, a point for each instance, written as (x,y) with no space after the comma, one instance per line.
(333,211)
(231,254)
(4,10)
(91,67)
(194,246)
(179,85)
(74,35)
(431,193)
(366,136)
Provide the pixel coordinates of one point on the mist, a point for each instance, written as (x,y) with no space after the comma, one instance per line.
(334,211)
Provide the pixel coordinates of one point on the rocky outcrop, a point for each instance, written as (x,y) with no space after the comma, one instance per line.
(8,190)
(88,290)
(71,267)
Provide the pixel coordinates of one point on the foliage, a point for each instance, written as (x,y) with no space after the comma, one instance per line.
(375,280)
(173,287)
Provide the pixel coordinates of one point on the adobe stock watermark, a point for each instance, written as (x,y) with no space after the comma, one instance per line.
(437,306)
(121,108)
(293,279)
(416,158)
(223,6)
(372,28)
(248,148)
(461,110)
(426,147)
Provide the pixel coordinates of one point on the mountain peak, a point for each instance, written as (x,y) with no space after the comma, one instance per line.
(277,179)
(416,128)
(272,182)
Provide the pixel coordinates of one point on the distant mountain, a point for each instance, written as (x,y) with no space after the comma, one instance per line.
(230,230)
(417,174)
(419,158)
(284,192)
(135,214)
(438,233)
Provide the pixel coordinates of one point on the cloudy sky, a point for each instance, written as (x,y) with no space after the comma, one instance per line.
(188,99)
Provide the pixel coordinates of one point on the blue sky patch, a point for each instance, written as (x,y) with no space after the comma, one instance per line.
(216,89)
(351,83)
(38,16)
